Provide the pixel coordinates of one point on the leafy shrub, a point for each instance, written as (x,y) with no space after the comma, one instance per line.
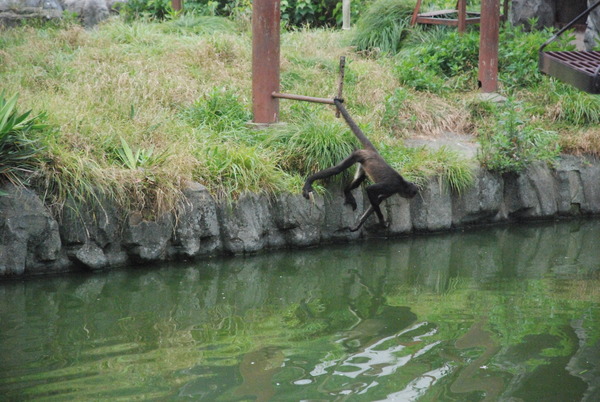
(18,147)
(383,26)
(518,54)
(223,8)
(152,9)
(512,144)
(439,59)
(442,60)
(296,13)
(311,12)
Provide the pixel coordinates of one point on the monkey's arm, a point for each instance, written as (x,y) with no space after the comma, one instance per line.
(325,173)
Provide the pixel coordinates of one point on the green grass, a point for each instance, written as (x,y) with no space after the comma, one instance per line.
(138,109)
(383,26)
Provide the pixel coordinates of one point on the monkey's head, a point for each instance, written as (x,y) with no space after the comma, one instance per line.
(408,190)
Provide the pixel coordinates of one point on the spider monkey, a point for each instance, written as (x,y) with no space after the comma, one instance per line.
(386,181)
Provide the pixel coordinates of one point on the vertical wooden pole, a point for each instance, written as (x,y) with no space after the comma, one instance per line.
(177,4)
(488,45)
(462,16)
(265,60)
(415,14)
(345,14)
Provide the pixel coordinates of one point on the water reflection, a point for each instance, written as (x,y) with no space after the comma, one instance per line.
(497,313)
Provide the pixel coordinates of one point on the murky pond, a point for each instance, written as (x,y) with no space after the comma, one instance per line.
(503,313)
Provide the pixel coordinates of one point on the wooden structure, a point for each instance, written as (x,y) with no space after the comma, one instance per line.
(458,17)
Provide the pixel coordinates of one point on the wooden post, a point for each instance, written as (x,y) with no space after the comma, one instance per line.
(488,45)
(345,14)
(265,60)
(462,16)
(177,5)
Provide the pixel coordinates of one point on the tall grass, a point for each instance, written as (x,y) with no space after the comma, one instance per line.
(310,144)
(229,170)
(418,165)
(384,26)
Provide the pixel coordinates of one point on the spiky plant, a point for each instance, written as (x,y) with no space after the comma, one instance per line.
(18,147)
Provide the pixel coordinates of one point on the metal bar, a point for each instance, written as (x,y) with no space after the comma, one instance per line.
(265,60)
(302,98)
(569,25)
(488,45)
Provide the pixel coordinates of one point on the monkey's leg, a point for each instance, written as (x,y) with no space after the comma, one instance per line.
(359,177)
(325,173)
(363,218)
(376,193)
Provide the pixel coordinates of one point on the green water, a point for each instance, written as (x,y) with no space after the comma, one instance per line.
(504,313)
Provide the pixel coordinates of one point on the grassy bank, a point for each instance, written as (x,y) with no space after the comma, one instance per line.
(137,109)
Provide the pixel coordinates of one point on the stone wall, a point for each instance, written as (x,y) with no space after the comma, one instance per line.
(91,238)
(90,12)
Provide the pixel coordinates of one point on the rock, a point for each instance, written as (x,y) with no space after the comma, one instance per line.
(339,217)
(91,256)
(520,200)
(245,224)
(531,194)
(479,203)
(299,220)
(544,185)
(147,241)
(398,215)
(12,12)
(592,30)
(91,12)
(431,209)
(522,11)
(197,232)
(569,185)
(90,230)
(590,177)
(29,238)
